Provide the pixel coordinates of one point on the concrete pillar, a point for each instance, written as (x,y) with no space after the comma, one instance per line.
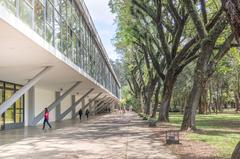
(73,108)
(31,105)
(58,107)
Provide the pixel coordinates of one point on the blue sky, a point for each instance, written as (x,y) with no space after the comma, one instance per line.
(104,23)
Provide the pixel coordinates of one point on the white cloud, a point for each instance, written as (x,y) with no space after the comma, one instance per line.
(104,23)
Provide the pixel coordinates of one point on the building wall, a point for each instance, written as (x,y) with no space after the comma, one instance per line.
(43,98)
(65,104)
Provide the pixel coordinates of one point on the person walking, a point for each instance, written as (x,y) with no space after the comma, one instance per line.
(46,118)
(80,114)
(87,113)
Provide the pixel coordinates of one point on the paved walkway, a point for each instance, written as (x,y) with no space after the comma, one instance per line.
(105,137)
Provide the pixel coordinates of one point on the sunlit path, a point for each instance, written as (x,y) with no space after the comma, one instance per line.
(108,137)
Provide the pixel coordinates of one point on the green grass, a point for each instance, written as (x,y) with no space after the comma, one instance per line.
(221,131)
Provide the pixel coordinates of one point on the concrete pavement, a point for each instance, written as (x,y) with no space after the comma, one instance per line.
(112,136)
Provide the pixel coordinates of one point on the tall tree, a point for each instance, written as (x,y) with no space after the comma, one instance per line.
(207,61)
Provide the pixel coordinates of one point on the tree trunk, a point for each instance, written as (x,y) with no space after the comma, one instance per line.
(199,83)
(156,102)
(236,152)
(237,101)
(166,98)
(141,102)
(203,102)
(147,104)
(210,99)
(190,109)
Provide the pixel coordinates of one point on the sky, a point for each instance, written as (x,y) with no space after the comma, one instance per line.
(104,23)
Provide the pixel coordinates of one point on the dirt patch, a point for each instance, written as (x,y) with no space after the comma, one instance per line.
(187,149)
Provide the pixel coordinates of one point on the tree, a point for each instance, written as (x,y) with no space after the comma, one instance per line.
(208,58)
(175,47)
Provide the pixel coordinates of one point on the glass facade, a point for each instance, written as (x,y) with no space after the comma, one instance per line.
(61,24)
(14,114)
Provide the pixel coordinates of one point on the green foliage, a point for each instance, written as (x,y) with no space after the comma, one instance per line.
(220,131)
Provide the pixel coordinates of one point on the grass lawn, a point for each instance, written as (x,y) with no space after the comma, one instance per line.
(221,131)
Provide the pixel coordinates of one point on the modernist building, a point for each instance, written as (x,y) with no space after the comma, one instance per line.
(51,56)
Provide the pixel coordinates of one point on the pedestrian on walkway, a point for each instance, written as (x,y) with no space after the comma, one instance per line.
(87,113)
(80,114)
(46,118)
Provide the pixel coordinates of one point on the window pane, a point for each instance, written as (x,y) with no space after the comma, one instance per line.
(18,87)
(69,46)
(74,49)
(64,35)
(18,111)
(49,34)
(69,12)
(10,5)
(9,114)
(1,84)
(57,31)
(7,85)
(25,12)
(39,17)
(49,13)
(63,8)
(57,5)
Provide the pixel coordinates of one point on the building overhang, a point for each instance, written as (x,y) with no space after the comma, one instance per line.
(23,53)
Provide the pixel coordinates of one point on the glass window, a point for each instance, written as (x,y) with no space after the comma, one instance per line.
(57,5)
(69,12)
(74,48)
(50,20)
(57,32)
(18,87)
(1,95)
(14,114)
(39,17)
(9,114)
(49,34)
(64,34)
(8,85)
(69,47)
(63,8)
(25,11)
(10,5)
(49,13)
(19,110)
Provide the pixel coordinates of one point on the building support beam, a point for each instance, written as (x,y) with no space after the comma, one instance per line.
(8,103)
(103,105)
(100,101)
(75,104)
(55,103)
(92,100)
(98,105)
(106,105)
